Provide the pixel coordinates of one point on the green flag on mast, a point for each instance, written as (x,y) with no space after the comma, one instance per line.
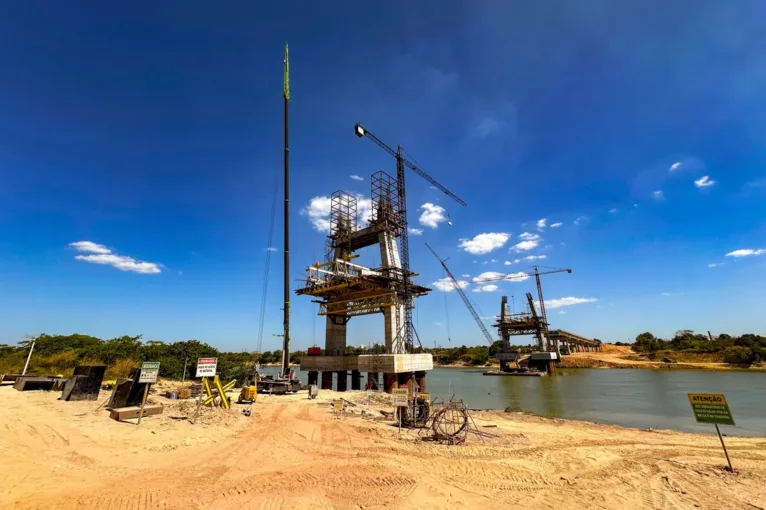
(286,92)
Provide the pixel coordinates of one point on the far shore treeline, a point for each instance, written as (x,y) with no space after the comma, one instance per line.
(59,354)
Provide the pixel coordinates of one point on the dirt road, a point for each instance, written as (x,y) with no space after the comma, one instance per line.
(293,453)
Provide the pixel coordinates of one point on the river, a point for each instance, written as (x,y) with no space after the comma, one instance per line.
(639,398)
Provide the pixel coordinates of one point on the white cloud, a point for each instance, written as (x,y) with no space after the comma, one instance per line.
(536,257)
(438,323)
(517,277)
(271,248)
(100,254)
(667,294)
(446,285)
(432,215)
(567,301)
(675,166)
(415,231)
(507,263)
(90,247)
(356,177)
(561,312)
(745,252)
(556,225)
(541,224)
(658,195)
(487,127)
(486,288)
(613,211)
(488,275)
(581,220)
(495,276)
(713,265)
(466,276)
(528,242)
(704,182)
(484,243)
(318,211)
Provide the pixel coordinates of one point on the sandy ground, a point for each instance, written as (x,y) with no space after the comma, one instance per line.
(294,453)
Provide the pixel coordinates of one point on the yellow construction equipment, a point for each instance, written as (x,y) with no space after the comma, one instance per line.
(248,394)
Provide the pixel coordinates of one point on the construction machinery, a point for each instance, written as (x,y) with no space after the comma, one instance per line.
(463,296)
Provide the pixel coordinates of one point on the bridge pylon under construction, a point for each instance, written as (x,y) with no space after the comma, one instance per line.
(344,290)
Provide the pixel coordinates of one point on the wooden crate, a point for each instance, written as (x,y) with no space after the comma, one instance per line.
(132,412)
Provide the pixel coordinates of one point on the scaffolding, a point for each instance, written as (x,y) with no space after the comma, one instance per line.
(348,290)
(385,202)
(343,222)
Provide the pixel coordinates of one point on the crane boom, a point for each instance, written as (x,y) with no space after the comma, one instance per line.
(401,162)
(523,275)
(464,298)
(361,131)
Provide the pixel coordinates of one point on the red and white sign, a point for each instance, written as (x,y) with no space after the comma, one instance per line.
(206,367)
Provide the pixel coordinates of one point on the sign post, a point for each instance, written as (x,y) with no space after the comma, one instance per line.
(712,408)
(206,367)
(399,399)
(149,372)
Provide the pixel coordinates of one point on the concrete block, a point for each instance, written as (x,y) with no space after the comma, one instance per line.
(395,363)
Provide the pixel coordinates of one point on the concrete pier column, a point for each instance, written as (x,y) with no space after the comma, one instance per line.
(405,380)
(389,257)
(551,367)
(356,379)
(391,382)
(313,377)
(420,378)
(326,380)
(342,380)
(373,382)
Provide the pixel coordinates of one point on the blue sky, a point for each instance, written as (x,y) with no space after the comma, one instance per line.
(155,132)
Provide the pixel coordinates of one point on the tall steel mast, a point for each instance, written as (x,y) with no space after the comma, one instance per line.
(286,309)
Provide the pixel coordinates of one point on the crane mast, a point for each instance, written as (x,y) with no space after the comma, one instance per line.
(464,298)
(407,331)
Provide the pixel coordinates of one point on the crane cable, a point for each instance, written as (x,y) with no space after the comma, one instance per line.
(267,264)
(446,312)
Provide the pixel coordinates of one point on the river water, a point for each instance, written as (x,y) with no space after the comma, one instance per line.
(628,397)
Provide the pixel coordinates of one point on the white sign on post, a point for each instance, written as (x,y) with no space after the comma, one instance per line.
(399,397)
(149,372)
(206,367)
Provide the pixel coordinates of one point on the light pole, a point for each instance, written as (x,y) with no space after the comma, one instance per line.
(29,356)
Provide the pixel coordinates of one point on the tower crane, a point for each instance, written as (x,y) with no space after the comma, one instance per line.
(464,298)
(401,163)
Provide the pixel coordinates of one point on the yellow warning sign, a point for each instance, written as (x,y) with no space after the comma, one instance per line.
(711,408)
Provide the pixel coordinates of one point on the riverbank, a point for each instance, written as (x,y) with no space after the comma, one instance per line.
(618,356)
(294,453)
